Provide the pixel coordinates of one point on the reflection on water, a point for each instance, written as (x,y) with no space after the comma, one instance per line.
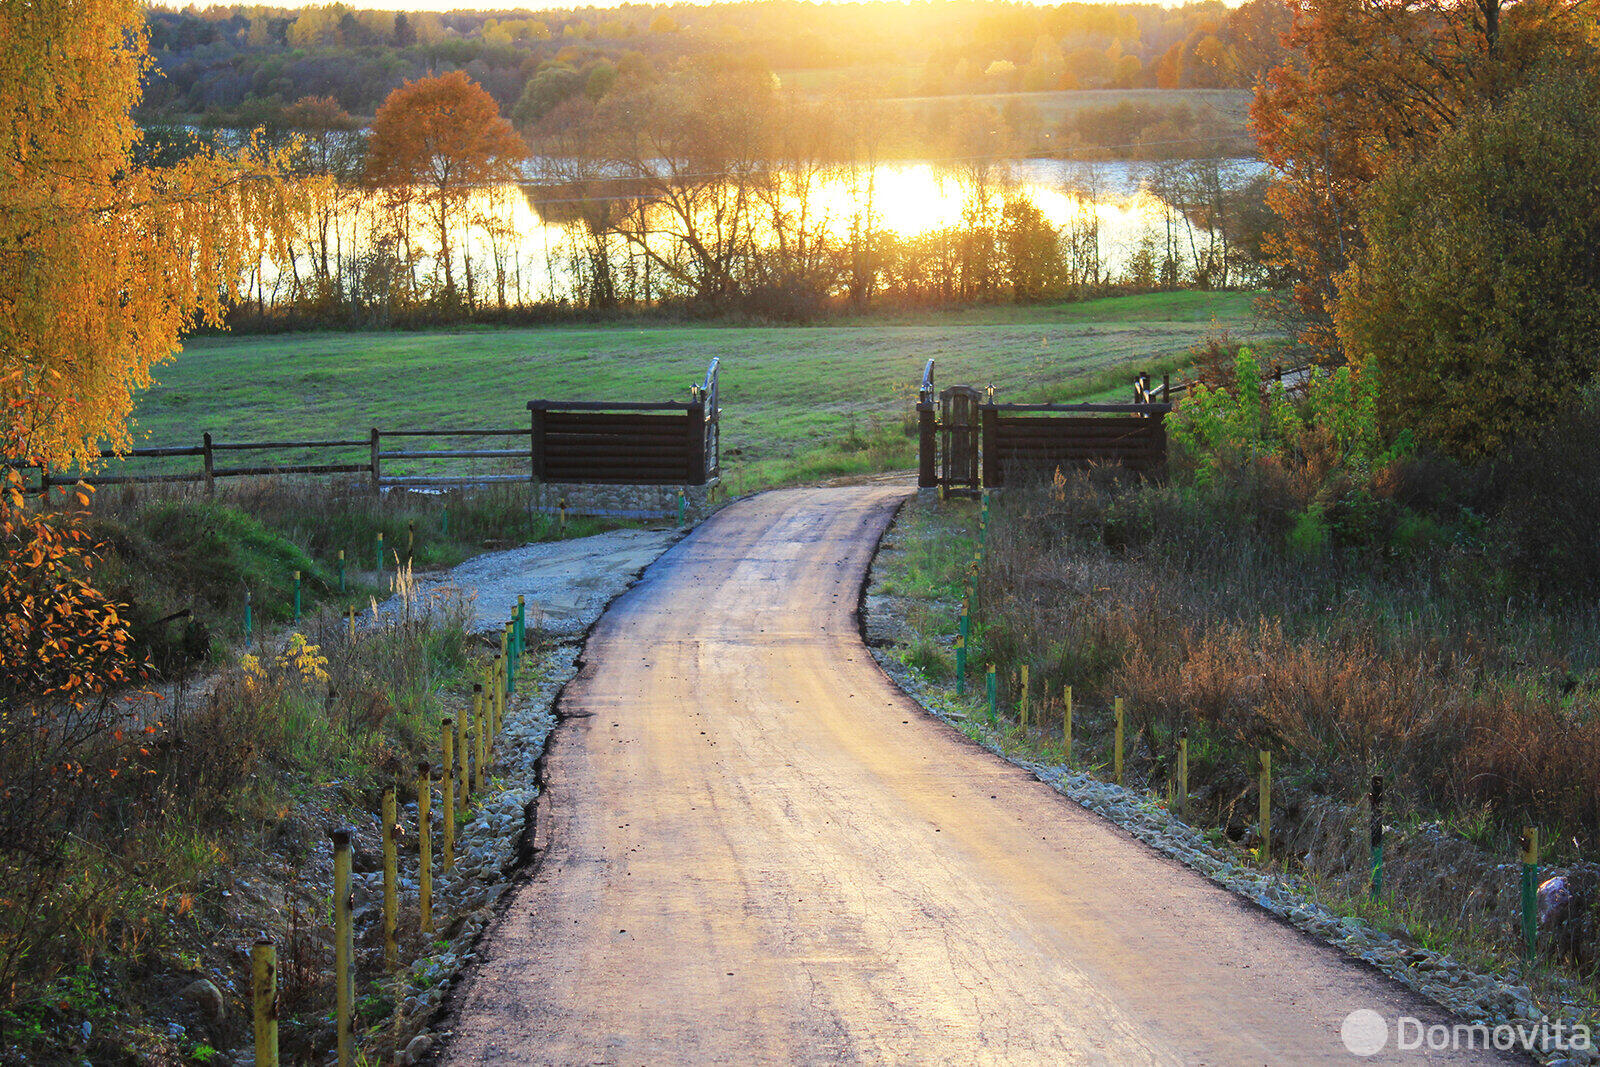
(542,240)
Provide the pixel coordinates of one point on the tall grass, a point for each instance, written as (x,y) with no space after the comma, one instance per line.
(311,721)
(1403,658)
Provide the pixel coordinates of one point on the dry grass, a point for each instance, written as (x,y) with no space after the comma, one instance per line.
(1482,714)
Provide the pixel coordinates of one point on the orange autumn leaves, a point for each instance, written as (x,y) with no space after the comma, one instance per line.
(61,640)
(434,142)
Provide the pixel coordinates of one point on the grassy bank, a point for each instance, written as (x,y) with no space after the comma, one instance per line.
(199,820)
(797,401)
(154,825)
(186,564)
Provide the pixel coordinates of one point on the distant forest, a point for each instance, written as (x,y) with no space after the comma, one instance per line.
(243,66)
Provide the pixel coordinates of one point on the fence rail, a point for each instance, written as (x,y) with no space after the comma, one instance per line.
(626,442)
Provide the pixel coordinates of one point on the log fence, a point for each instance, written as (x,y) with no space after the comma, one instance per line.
(674,443)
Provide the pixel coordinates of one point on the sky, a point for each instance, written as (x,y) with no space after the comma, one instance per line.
(503,5)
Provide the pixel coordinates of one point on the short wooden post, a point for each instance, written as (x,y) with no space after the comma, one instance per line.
(447,783)
(377,475)
(351,611)
(411,539)
(479,740)
(425,846)
(503,683)
(1116,751)
(563,529)
(1266,805)
(208,464)
(462,746)
(1376,834)
(1066,722)
(1530,894)
(1022,706)
(391,887)
(264,1001)
(343,950)
(1181,800)
(505,652)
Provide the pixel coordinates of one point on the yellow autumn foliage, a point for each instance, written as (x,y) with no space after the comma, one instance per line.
(104,264)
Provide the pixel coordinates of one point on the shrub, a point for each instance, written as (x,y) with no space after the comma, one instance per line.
(1477,298)
(1546,494)
(65,654)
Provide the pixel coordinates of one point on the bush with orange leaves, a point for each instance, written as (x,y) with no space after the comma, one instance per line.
(65,657)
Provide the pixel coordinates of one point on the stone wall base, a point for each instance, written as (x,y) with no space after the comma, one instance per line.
(628,501)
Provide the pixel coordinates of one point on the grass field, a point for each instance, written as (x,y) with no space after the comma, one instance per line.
(798,402)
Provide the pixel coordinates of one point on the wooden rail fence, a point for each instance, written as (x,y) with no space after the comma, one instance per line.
(563,442)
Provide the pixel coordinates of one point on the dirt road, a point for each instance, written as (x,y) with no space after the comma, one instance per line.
(754,849)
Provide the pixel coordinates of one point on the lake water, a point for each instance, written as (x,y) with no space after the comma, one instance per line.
(535,244)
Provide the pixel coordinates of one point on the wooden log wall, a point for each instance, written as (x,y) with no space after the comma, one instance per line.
(1017,445)
(575,444)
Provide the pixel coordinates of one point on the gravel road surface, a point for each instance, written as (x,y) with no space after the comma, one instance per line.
(752,848)
(567,583)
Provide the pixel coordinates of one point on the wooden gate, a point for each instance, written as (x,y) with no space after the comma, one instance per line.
(628,443)
(969,442)
(959,445)
(1031,440)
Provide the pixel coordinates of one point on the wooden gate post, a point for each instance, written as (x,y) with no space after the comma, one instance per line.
(927,472)
(536,441)
(927,440)
(990,445)
(209,464)
(376,470)
(696,465)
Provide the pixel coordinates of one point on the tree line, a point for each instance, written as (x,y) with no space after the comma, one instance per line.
(223,61)
(707,190)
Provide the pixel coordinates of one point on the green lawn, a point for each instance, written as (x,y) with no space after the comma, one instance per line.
(797,402)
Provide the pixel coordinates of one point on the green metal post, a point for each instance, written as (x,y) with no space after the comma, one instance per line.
(341,570)
(994,692)
(522,626)
(380,550)
(961,666)
(249,622)
(297,598)
(1530,893)
(1377,835)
